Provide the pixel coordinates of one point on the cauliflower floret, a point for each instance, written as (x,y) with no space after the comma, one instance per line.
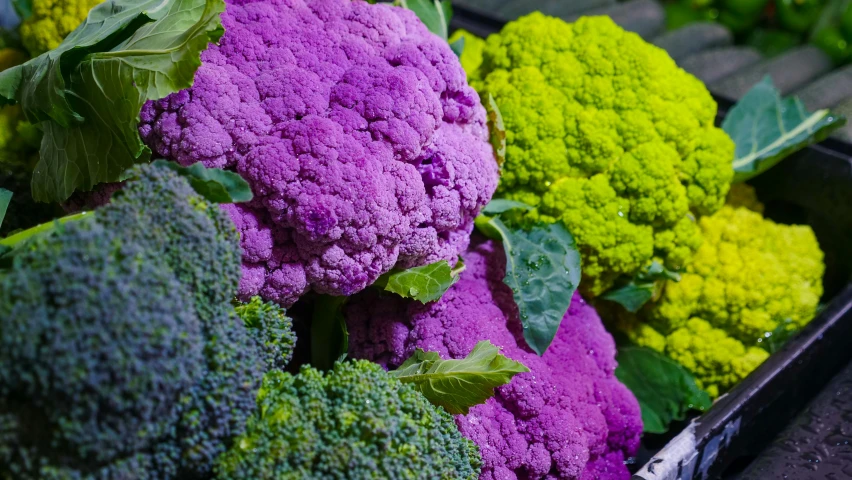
(569,417)
(607,135)
(52,21)
(750,279)
(363,144)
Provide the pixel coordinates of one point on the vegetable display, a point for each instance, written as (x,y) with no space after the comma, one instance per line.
(364,145)
(255,254)
(567,418)
(606,135)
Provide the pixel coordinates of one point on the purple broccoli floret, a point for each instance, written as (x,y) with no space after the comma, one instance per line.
(568,418)
(355,126)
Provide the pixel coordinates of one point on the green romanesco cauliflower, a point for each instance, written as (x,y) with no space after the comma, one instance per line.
(607,135)
(750,279)
(52,21)
(355,422)
(717,360)
(471,56)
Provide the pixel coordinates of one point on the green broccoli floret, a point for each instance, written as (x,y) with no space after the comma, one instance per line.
(751,279)
(272,328)
(354,422)
(605,134)
(137,293)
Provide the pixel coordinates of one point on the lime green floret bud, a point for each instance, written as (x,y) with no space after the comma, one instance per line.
(750,282)
(52,21)
(607,135)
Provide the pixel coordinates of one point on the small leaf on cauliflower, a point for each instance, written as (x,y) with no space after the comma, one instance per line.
(636,292)
(424,284)
(502,205)
(329,335)
(767,128)
(543,271)
(666,391)
(460,384)
(214,184)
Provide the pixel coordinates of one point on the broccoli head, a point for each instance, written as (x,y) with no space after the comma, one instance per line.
(607,135)
(98,341)
(51,21)
(568,418)
(273,330)
(751,279)
(354,422)
(364,145)
(124,356)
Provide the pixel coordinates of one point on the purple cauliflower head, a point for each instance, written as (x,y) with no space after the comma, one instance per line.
(355,126)
(568,418)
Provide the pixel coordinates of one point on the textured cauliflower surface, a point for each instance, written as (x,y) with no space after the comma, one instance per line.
(52,21)
(354,422)
(567,418)
(606,134)
(363,144)
(750,279)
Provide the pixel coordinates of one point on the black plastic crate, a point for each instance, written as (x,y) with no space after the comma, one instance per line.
(812,187)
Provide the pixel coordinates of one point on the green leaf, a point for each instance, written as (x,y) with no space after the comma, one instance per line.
(424,284)
(5,198)
(458,385)
(87,93)
(24,8)
(648,284)
(329,335)
(214,184)
(497,130)
(502,205)
(767,128)
(777,338)
(435,14)
(458,47)
(543,271)
(665,390)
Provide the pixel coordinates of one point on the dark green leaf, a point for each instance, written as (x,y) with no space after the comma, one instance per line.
(424,284)
(496,130)
(329,336)
(24,8)
(543,271)
(214,184)
(5,198)
(458,47)
(636,292)
(631,295)
(665,390)
(501,205)
(458,385)
(435,14)
(88,92)
(767,128)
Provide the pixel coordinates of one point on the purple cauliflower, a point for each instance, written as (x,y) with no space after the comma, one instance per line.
(364,146)
(568,418)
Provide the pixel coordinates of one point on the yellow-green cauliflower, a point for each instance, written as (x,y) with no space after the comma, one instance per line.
(607,135)
(750,279)
(51,22)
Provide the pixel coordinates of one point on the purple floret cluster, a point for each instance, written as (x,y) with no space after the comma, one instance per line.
(355,126)
(568,418)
